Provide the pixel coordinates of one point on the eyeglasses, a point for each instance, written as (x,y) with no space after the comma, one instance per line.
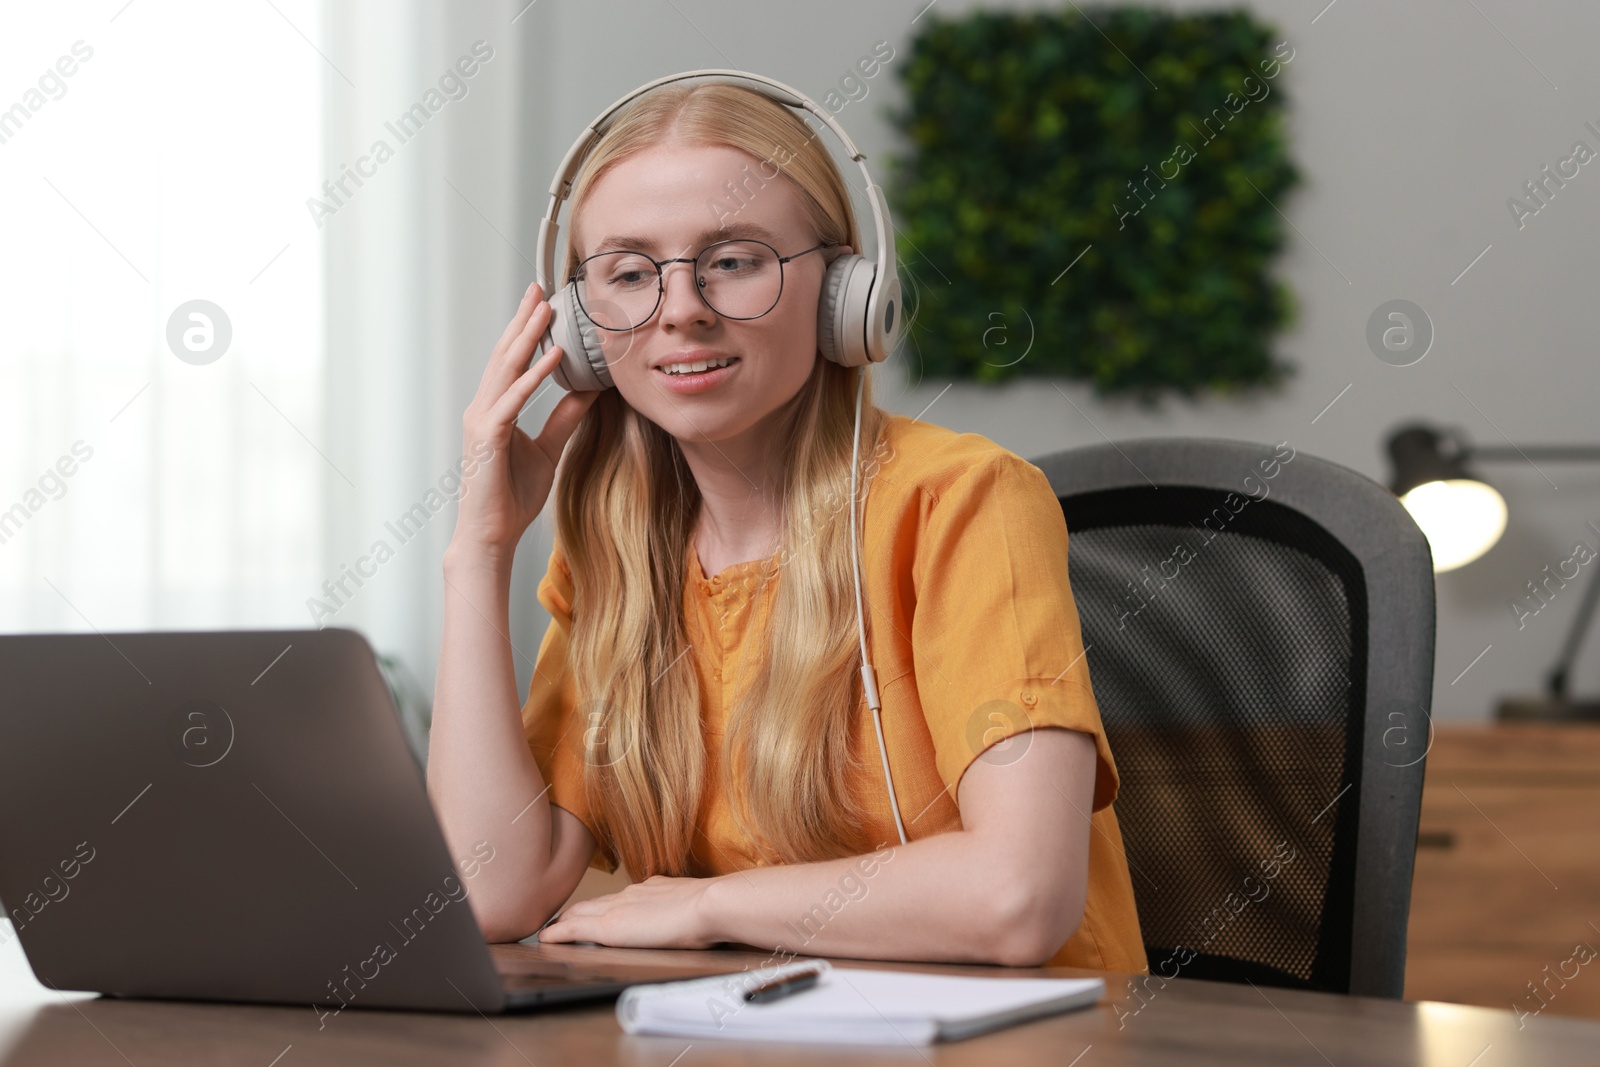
(737,279)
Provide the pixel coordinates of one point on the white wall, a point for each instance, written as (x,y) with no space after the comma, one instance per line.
(1412,123)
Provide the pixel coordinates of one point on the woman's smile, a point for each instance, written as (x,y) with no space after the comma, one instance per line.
(685,379)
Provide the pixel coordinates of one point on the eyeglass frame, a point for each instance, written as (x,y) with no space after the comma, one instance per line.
(661,279)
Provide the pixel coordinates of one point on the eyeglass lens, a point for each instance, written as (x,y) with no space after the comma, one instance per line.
(738,279)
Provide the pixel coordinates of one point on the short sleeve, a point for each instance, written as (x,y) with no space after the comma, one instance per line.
(995,633)
(550,719)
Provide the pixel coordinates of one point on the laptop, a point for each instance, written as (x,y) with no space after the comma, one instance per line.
(237,816)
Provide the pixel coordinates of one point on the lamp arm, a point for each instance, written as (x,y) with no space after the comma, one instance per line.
(1557,683)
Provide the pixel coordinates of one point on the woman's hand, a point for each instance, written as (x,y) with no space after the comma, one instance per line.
(505,489)
(659,912)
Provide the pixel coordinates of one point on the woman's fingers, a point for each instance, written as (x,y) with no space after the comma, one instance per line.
(505,367)
(519,320)
(563,421)
(510,403)
(530,300)
(593,906)
(508,359)
(579,918)
(559,932)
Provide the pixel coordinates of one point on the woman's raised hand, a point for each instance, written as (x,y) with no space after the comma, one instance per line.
(506,488)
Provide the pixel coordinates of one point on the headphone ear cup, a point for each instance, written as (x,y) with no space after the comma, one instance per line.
(839,333)
(583,363)
(882,320)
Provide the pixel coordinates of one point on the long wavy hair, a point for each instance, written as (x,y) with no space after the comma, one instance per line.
(626,506)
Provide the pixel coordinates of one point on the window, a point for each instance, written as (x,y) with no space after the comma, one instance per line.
(153,155)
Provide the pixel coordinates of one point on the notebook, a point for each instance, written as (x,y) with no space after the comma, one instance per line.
(847,1005)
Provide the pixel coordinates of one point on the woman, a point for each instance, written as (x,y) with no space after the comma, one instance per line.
(696,714)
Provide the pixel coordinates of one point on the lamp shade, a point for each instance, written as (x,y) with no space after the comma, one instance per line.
(1461,515)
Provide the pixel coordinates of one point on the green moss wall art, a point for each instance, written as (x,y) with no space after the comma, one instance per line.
(1089,194)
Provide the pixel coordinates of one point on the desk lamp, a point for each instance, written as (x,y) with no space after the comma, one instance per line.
(1463,516)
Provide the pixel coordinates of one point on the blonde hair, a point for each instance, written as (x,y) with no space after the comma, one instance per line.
(626,504)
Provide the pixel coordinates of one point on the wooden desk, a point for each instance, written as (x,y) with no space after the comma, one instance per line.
(1189,1022)
(1507,882)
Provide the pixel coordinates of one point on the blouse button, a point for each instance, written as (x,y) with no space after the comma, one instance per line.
(1028,698)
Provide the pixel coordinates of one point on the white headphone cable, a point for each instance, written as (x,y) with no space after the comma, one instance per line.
(869,679)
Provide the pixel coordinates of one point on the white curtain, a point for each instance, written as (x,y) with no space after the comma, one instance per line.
(340,180)
(425,267)
(152,155)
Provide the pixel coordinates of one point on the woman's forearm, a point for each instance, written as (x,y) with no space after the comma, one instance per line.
(482,779)
(945,898)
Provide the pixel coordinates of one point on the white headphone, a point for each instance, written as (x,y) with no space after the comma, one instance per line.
(858,314)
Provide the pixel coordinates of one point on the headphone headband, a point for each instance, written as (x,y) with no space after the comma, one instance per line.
(881,298)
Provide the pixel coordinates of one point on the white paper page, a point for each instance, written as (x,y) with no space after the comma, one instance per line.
(867,1006)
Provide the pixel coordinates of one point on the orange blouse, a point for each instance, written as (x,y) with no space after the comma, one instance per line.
(974,637)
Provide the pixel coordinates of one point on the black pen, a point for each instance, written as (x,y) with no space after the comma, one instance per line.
(782,987)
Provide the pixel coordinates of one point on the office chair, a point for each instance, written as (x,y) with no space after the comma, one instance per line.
(1266,695)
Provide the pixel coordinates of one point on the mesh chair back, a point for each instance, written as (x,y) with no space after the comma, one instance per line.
(1260,628)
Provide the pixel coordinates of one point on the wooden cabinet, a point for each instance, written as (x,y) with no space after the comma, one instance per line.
(1505,902)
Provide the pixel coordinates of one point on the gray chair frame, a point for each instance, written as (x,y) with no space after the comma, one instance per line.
(1394,555)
